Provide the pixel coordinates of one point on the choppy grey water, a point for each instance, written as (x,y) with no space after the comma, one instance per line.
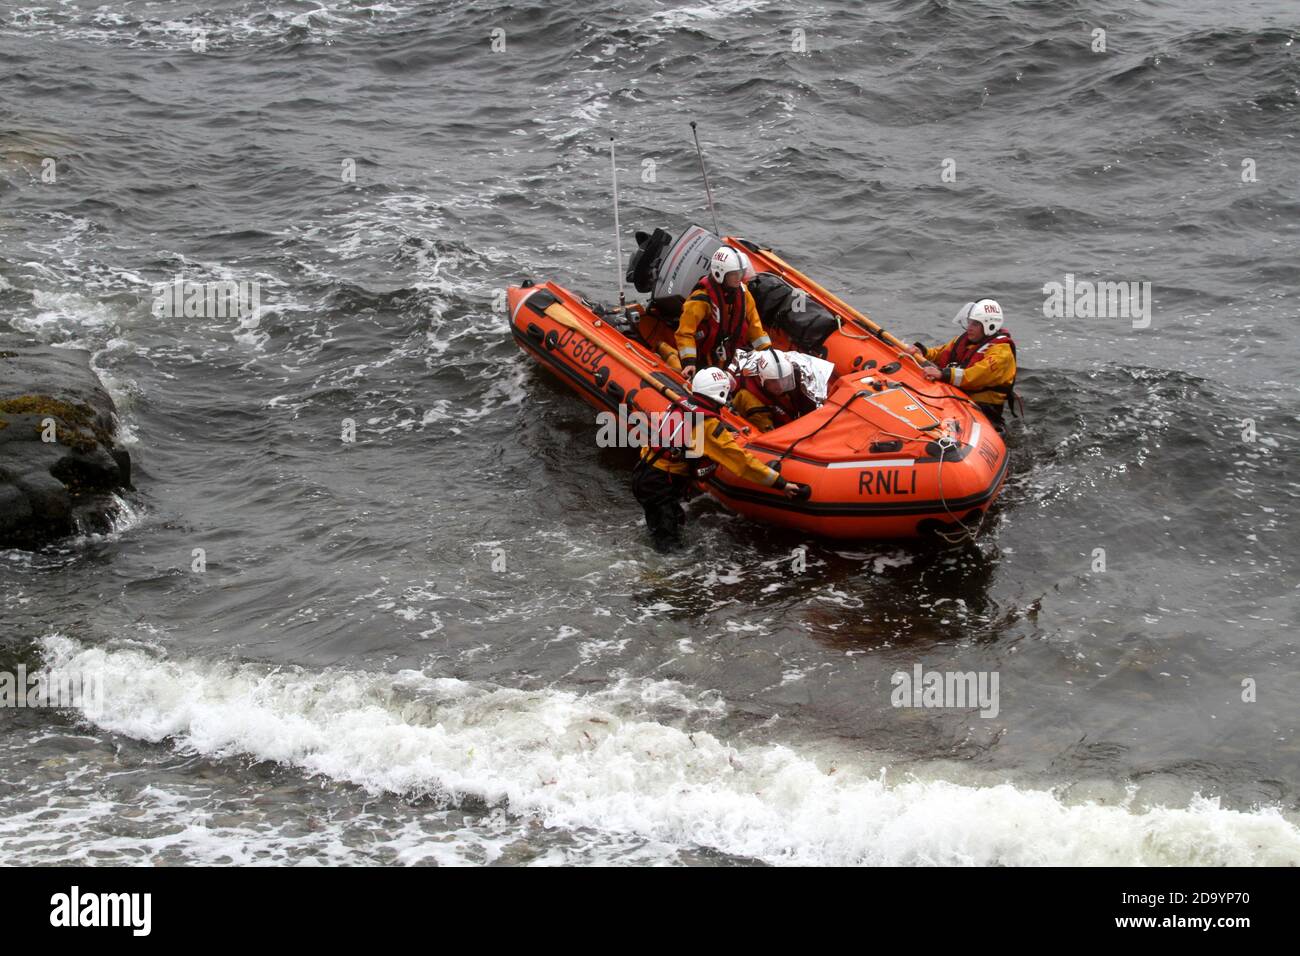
(449,641)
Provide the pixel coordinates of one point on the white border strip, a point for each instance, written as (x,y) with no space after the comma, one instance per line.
(876,463)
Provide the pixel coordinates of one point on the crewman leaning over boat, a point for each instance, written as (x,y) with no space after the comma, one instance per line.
(770,396)
(719,316)
(666,469)
(981,361)
(750,400)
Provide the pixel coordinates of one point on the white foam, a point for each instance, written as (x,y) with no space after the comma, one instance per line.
(175,826)
(718,10)
(123,518)
(123,395)
(599,761)
(323,24)
(65,311)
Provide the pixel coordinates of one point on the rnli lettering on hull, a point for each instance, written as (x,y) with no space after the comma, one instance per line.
(891,482)
(989,453)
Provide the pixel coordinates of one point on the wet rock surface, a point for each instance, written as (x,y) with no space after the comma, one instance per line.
(60,460)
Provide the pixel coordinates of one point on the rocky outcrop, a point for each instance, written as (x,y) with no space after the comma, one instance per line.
(59,457)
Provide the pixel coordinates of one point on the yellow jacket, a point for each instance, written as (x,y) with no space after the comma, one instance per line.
(720,447)
(755,411)
(698,307)
(985,371)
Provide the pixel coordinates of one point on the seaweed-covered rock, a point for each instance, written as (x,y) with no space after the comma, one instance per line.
(59,457)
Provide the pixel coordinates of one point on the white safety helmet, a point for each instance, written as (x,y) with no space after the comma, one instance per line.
(776,373)
(985,311)
(746,267)
(725,260)
(712,383)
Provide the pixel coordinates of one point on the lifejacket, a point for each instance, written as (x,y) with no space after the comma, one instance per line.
(963,355)
(672,438)
(721,330)
(781,408)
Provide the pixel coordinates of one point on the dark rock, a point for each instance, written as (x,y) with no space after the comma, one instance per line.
(59,458)
(15,509)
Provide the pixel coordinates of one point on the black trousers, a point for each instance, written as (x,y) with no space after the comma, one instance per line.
(994,414)
(661,495)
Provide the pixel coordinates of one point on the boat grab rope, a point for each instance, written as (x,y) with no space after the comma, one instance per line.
(940,398)
(946,444)
(796,442)
(920,436)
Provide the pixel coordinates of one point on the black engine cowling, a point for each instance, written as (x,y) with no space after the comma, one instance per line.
(643,266)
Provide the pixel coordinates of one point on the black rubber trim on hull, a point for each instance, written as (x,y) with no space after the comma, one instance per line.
(541,300)
(563,368)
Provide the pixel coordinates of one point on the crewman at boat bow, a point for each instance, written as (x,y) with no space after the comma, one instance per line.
(981,361)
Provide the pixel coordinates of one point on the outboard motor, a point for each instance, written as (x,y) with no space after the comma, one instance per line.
(643,267)
(669,270)
(685,263)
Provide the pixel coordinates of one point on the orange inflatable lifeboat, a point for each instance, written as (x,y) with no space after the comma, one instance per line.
(888,455)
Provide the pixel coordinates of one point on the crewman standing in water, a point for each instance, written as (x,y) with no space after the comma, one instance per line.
(719,316)
(981,361)
(666,469)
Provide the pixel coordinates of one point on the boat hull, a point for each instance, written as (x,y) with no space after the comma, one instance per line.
(877,464)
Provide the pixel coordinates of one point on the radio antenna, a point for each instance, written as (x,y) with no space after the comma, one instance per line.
(707,191)
(618,239)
